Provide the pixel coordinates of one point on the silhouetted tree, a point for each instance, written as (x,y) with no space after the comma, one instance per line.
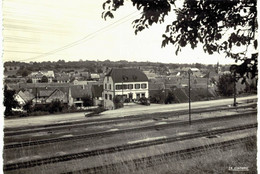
(9,101)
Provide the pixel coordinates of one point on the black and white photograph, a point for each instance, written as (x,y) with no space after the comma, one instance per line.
(129,86)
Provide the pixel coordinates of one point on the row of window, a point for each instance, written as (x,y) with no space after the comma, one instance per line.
(127,86)
(108,87)
(110,96)
(138,95)
(131,86)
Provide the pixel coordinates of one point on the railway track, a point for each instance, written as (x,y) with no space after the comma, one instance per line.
(150,161)
(105,121)
(135,129)
(68,157)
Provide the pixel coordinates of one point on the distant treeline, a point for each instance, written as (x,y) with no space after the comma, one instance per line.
(99,66)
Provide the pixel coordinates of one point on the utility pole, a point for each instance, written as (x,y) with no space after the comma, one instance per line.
(233,70)
(208,86)
(122,89)
(189,72)
(235,103)
(36,94)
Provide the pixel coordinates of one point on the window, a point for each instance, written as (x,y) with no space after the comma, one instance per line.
(125,87)
(110,97)
(105,86)
(130,86)
(106,96)
(143,86)
(118,86)
(109,86)
(143,94)
(137,86)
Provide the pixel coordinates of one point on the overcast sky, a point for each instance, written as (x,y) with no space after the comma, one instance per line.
(71,30)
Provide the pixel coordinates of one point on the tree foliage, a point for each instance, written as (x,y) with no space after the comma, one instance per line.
(56,106)
(87,101)
(170,98)
(28,106)
(118,102)
(44,79)
(226,85)
(9,101)
(220,26)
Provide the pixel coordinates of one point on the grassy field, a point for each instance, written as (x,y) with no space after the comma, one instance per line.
(214,162)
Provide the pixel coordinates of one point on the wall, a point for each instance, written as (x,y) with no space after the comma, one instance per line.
(134,91)
(109,91)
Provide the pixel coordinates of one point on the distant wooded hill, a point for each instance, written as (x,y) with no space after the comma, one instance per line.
(101,66)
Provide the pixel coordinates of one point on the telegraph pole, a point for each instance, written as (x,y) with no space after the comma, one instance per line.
(235,103)
(208,86)
(233,70)
(189,72)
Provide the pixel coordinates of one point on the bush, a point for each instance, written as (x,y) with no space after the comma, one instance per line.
(144,101)
(169,98)
(56,106)
(226,85)
(28,107)
(127,100)
(157,98)
(40,107)
(87,101)
(118,102)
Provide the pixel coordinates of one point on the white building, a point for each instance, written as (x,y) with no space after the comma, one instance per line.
(129,83)
(37,76)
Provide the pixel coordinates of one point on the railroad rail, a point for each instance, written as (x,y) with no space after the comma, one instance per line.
(73,156)
(105,121)
(150,161)
(135,129)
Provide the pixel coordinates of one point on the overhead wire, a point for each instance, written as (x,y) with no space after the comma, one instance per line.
(85,38)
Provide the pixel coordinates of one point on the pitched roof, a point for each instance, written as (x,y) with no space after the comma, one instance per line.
(45,93)
(63,78)
(127,75)
(43,73)
(79,91)
(97,90)
(26,95)
(156,86)
(57,94)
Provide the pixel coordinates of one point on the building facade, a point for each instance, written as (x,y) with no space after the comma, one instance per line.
(127,83)
(37,76)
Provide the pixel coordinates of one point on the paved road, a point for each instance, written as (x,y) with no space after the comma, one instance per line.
(126,111)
